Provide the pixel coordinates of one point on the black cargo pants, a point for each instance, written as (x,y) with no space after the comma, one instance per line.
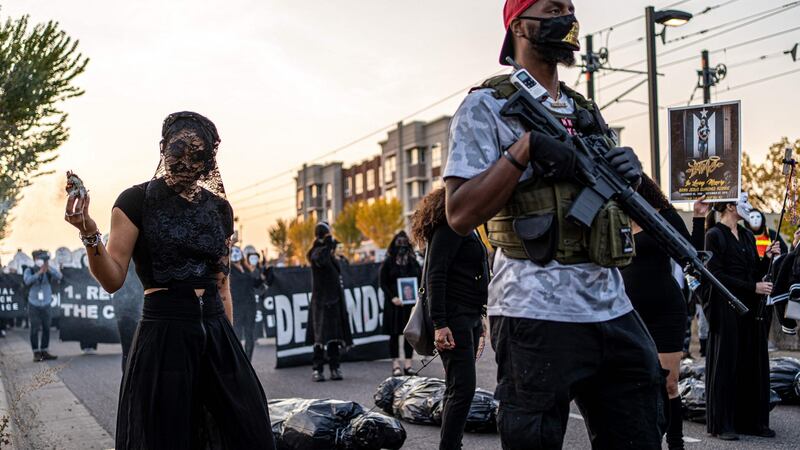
(610,369)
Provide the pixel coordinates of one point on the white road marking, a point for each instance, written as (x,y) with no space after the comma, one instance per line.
(687,439)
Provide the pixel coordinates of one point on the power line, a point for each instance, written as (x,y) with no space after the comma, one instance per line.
(711,52)
(786,7)
(265,214)
(754,60)
(366,136)
(261,205)
(766,14)
(760,80)
(634,19)
(732,88)
(707,10)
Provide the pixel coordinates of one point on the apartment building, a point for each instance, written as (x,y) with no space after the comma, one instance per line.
(362,182)
(414,156)
(410,165)
(319,191)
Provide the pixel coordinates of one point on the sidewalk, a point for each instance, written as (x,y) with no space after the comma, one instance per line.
(45,413)
(8,434)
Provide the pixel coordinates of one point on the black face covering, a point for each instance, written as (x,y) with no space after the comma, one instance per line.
(557,32)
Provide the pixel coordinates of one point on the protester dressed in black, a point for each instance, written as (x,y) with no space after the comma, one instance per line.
(188,383)
(244,282)
(399,263)
(456,278)
(737,365)
(328,327)
(659,300)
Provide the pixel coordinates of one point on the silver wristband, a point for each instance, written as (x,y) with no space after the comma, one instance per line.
(93,240)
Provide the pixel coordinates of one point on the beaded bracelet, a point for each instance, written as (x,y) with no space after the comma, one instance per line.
(92,241)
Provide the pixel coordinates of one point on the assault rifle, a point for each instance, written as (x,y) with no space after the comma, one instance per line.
(602,183)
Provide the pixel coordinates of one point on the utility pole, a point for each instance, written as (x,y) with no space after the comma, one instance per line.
(652,93)
(706,78)
(590,66)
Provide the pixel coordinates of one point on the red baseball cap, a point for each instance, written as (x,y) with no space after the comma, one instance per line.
(511,11)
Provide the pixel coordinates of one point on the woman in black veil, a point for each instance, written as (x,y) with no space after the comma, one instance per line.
(187,383)
(400,262)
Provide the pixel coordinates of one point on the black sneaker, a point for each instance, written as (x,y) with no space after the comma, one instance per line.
(317,376)
(37,356)
(46,356)
(408,371)
(766,432)
(336,375)
(727,436)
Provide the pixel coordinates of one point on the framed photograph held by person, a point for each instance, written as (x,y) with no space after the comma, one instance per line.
(408,290)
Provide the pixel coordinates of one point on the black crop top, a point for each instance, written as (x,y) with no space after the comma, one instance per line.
(131,203)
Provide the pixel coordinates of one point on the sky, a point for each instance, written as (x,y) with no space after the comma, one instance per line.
(288,81)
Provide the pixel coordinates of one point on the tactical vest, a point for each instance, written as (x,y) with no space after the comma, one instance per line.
(533,224)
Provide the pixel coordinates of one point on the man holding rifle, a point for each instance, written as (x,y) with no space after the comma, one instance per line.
(562,326)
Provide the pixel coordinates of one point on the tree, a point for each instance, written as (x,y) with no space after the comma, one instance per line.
(346,231)
(766,184)
(279,238)
(380,221)
(301,238)
(38,65)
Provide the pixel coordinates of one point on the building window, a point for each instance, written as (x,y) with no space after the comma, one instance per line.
(389,168)
(391,194)
(416,156)
(329,214)
(314,191)
(437,183)
(300,199)
(348,186)
(329,193)
(436,155)
(416,189)
(370,180)
(359,183)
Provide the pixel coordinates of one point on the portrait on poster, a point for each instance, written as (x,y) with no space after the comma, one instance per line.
(705,152)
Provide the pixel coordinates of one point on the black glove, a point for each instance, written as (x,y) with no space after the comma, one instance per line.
(627,165)
(551,158)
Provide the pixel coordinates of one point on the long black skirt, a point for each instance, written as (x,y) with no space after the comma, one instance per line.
(188,384)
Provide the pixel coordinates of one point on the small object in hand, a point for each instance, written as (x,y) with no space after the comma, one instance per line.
(75,187)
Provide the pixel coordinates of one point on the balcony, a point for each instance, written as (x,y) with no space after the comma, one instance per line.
(416,171)
(314,202)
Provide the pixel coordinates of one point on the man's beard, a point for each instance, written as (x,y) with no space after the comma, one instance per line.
(554,55)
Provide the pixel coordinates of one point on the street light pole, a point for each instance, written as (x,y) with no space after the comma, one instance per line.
(652,92)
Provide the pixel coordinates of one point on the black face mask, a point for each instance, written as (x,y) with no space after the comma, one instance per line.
(557,32)
(402,250)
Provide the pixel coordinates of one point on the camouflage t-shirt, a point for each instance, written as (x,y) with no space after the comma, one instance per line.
(520,288)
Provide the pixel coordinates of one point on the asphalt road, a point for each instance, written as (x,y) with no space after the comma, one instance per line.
(94,379)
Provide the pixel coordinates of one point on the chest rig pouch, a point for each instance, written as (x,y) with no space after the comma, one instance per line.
(533,224)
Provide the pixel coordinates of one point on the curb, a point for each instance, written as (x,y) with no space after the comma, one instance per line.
(51,412)
(5,410)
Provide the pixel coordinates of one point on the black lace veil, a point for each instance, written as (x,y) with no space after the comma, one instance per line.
(187,222)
